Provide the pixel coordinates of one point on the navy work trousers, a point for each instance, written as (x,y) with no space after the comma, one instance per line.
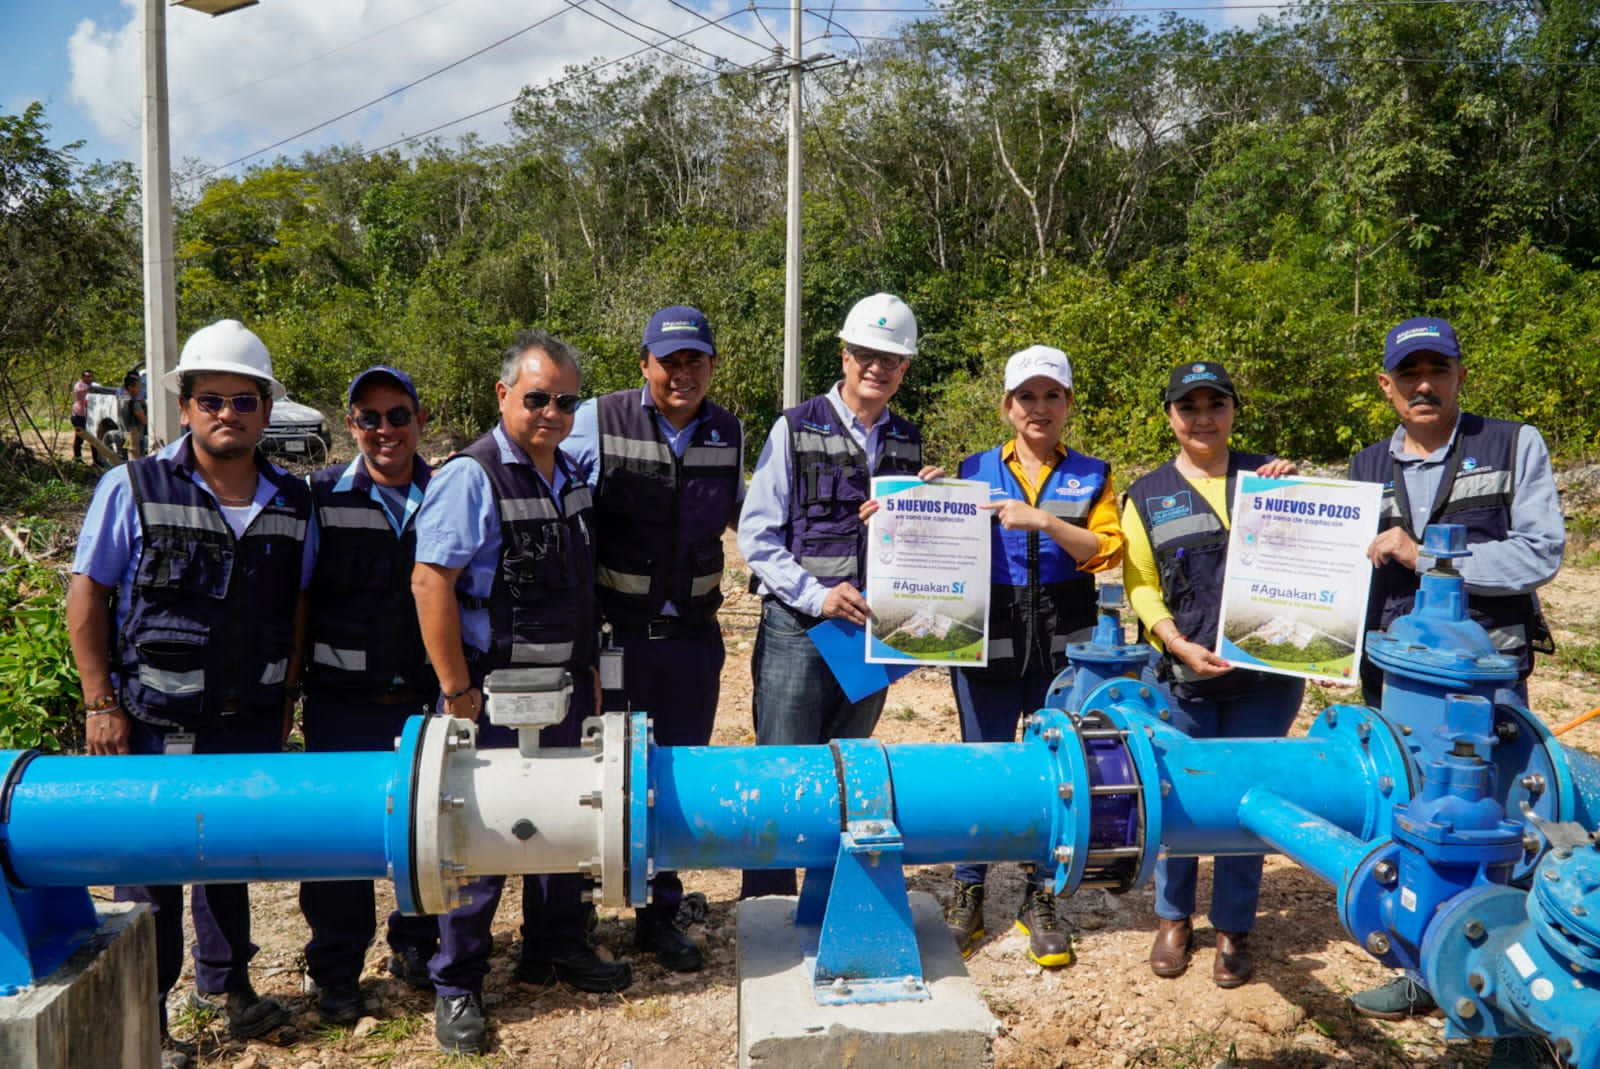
(342,914)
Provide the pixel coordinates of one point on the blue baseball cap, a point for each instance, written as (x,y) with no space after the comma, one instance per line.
(382,371)
(1422,334)
(679,327)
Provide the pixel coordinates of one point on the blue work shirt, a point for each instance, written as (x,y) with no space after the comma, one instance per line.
(111,539)
(1530,554)
(458,526)
(764,520)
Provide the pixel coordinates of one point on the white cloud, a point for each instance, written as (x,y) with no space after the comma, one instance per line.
(242,81)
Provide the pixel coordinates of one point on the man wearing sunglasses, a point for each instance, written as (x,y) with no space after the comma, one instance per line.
(209,549)
(505,576)
(667,468)
(366,670)
(802,535)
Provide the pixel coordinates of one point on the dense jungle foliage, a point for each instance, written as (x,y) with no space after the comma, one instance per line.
(1136,191)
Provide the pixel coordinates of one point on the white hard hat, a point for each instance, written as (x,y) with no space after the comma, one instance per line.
(881,322)
(1038,361)
(226,347)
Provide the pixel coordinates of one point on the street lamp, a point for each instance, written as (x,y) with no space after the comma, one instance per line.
(160,287)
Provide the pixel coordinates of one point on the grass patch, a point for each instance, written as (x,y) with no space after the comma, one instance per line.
(1576,657)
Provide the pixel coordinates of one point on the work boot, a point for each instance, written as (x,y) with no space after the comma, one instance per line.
(249,1015)
(1396,1000)
(1048,943)
(409,965)
(581,968)
(1522,1052)
(340,1004)
(657,931)
(1232,966)
(458,1023)
(966,917)
(176,1053)
(1169,956)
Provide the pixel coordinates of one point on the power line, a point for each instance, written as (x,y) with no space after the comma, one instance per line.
(656,45)
(392,93)
(719,23)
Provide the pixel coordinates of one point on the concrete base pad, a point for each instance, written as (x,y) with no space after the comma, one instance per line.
(782,1027)
(99,1009)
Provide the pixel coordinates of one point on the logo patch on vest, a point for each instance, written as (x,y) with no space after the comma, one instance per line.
(1169,507)
(820,428)
(1469,464)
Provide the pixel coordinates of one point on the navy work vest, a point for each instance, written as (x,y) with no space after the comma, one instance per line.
(1480,479)
(210,622)
(659,517)
(831,480)
(1190,544)
(1038,599)
(542,604)
(365,640)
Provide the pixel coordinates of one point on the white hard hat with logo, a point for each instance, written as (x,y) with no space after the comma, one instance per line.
(883,323)
(226,347)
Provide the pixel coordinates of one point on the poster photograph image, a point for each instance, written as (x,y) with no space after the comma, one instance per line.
(1295,596)
(928,572)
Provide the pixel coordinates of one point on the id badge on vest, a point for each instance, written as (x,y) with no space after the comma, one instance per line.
(179,742)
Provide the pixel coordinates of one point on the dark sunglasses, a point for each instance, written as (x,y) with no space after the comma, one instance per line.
(370,419)
(535,400)
(888,361)
(242,403)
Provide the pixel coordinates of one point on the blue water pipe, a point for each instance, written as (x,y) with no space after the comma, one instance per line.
(1431,816)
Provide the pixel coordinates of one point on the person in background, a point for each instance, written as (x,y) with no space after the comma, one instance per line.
(80,410)
(1176,519)
(1055,525)
(133,412)
(667,468)
(366,672)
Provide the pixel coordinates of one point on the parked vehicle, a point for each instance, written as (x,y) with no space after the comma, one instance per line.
(297,434)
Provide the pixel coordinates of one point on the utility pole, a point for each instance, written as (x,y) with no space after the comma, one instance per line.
(160,287)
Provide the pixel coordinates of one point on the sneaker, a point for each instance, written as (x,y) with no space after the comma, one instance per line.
(1048,942)
(458,1023)
(581,968)
(966,917)
(659,934)
(1396,1000)
(409,965)
(341,1004)
(249,1015)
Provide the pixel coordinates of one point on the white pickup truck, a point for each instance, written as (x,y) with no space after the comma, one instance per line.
(297,433)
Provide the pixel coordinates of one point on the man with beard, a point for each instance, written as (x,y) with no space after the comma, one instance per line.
(209,550)
(1443,465)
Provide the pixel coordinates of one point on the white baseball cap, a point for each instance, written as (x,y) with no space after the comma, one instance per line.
(1038,361)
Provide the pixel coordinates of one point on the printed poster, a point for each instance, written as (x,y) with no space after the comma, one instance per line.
(1295,597)
(928,572)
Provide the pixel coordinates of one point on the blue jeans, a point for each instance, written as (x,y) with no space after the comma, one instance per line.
(798,702)
(991,705)
(1267,711)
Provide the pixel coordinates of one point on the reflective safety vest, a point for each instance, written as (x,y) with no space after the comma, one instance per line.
(831,480)
(542,604)
(1190,544)
(659,517)
(1479,482)
(365,639)
(210,621)
(1038,598)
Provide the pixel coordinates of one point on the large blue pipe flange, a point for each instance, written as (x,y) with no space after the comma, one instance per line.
(1128,825)
(641,795)
(401,805)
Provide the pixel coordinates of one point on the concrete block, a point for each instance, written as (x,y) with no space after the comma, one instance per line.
(98,1010)
(782,1027)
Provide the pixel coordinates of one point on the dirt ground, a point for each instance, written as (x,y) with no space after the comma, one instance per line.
(1104,1010)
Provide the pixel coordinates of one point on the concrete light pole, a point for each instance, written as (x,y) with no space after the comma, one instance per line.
(160,286)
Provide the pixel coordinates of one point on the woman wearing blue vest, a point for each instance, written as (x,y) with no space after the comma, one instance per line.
(1055,524)
(1176,518)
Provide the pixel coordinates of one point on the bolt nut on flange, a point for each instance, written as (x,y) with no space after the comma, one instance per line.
(1466,1009)
(1377,943)
(1385,872)
(1474,930)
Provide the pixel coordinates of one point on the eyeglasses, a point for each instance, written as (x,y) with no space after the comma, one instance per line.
(242,403)
(370,419)
(536,400)
(886,361)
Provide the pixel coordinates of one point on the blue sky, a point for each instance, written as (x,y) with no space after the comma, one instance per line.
(243,81)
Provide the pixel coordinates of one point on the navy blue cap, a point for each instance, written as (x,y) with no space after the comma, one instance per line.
(1423,334)
(679,327)
(400,379)
(1206,374)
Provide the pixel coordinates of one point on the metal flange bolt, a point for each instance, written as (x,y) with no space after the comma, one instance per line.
(1378,943)
(1385,872)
